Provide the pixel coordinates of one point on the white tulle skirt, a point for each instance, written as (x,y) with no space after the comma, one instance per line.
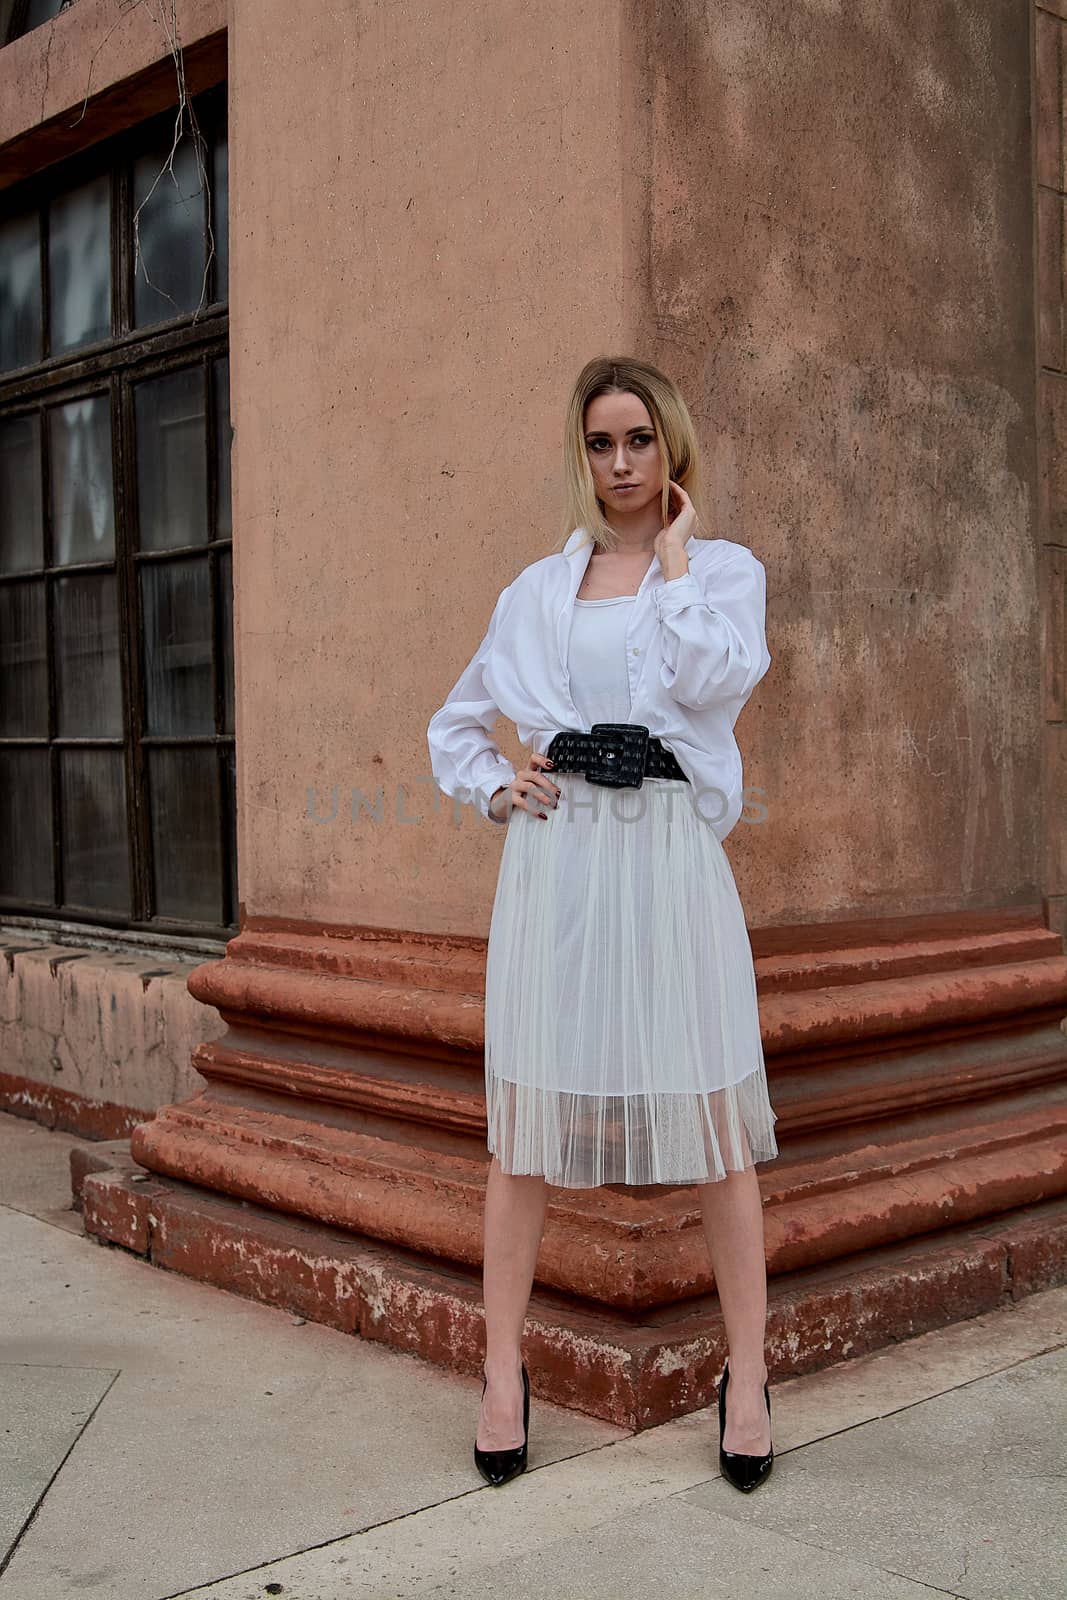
(622,1037)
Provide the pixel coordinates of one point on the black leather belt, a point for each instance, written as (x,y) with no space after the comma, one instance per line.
(619,754)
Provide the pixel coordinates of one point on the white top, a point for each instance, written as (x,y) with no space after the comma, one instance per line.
(597,660)
(695,649)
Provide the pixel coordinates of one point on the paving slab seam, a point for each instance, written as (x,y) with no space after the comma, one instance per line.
(304,1550)
(417,1511)
(5,1559)
(921,1584)
(24,1211)
(56,1366)
(542,1547)
(452,1500)
(802,1444)
(828,1549)
(543,1472)
(343,1538)
(897,1410)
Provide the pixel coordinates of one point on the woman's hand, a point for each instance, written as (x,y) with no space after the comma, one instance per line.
(671,541)
(528,789)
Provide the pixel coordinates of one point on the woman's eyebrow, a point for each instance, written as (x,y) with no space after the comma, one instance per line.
(602,433)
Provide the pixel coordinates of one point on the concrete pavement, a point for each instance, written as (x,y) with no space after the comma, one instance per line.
(161,1438)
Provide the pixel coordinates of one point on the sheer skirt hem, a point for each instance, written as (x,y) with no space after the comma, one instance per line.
(582,1141)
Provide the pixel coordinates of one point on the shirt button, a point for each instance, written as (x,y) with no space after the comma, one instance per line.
(636,651)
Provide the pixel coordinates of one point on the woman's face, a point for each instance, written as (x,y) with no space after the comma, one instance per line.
(621,446)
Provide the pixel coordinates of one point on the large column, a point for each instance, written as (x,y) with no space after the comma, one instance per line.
(1050,159)
(822,225)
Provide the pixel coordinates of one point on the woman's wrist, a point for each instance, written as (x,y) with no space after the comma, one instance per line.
(492,814)
(674,565)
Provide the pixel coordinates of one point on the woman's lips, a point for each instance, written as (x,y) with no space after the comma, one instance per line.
(621,488)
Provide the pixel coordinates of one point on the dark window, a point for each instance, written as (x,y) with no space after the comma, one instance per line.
(117,773)
(25,15)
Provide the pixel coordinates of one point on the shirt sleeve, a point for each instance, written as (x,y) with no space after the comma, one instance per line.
(465,762)
(713,632)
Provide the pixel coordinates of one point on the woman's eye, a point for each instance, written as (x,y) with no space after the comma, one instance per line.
(641,439)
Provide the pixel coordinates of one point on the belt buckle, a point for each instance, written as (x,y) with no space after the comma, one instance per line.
(619,755)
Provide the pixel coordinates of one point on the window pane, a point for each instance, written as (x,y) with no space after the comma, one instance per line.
(230,779)
(38,11)
(186,837)
(171,230)
(176,598)
(25,826)
(23,661)
(83,508)
(79,265)
(21,533)
(172,460)
(223,519)
(96,867)
(226,624)
(20,292)
(88,681)
(220,218)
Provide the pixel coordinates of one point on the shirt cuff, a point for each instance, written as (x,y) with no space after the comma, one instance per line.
(488,787)
(675,593)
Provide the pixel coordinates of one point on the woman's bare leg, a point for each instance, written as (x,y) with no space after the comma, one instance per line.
(515,1210)
(732,1214)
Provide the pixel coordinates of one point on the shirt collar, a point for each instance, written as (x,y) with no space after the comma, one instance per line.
(578,543)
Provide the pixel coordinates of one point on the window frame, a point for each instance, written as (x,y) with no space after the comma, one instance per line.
(114,366)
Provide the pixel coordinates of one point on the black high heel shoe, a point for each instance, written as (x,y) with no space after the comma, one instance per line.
(499,1466)
(744,1472)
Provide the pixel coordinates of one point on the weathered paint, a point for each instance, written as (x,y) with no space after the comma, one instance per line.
(627,1370)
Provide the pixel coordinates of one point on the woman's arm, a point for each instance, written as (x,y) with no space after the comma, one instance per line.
(713,632)
(463,757)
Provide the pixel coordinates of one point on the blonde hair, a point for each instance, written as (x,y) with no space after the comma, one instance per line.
(675,438)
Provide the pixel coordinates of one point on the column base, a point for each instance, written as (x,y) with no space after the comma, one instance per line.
(917,1067)
(634,1369)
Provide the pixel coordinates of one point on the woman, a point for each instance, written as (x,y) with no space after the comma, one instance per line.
(622,1039)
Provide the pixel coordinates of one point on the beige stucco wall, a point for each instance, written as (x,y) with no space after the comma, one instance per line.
(842,265)
(820,222)
(89,1037)
(436,213)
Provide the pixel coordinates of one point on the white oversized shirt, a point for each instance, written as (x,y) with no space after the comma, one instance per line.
(695,649)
